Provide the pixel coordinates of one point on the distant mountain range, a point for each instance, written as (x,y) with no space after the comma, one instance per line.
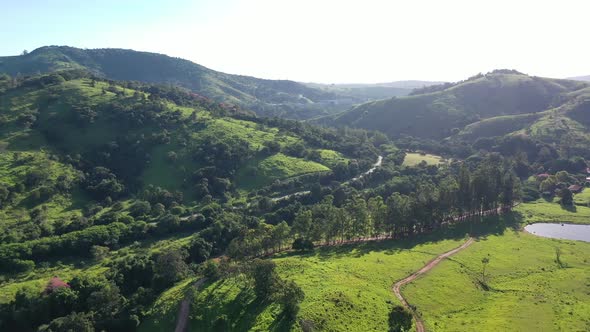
(374,91)
(282,98)
(580,78)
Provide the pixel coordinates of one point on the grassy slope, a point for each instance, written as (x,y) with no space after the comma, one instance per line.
(543,211)
(347,288)
(261,172)
(583,198)
(413,159)
(68,268)
(498,126)
(39,278)
(161,172)
(529,291)
(25,150)
(510,98)
(164,311)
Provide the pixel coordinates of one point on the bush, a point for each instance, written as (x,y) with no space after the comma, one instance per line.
(211,271)
(302,244)
(400,319)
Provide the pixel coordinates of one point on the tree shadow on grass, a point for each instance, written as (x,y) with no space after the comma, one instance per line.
(240,313)
(490,225)
(570,208)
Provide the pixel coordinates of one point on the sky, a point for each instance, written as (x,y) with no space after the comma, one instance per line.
(327,41)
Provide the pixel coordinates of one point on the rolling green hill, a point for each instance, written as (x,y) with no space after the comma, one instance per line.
(367,92)
(494,104)
(266,97)
(105,185)
(75,140)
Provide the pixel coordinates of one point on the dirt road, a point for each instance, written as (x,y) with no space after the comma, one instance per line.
(397,286)
(185,306)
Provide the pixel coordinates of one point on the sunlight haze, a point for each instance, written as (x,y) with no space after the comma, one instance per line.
(321,41)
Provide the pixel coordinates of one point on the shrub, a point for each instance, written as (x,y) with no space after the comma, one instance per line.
(302,244)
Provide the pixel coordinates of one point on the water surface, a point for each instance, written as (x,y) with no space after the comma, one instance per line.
(560,231)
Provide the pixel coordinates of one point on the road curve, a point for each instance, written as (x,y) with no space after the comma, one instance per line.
(397,286)
(306,192)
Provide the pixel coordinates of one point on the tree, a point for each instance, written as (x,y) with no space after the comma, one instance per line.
(99,252)
(567,197)
(510,189)
(170,266)
(361,222)
(158,209)
(61,301)
(484,263)
(140,208)
(302,224)
(400,319)
(378,213)
(290,295)
(265,278)
(199,249)
(79,322)
(211,270)
(302,244)
(464,190)
(280,234)
(106,301)
(398,213)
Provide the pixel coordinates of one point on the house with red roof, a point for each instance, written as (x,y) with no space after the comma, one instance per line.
(574,188)
(55,283)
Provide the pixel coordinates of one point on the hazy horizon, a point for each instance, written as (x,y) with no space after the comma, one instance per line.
(343,42)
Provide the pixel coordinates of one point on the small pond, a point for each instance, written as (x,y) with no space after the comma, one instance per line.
(560,231)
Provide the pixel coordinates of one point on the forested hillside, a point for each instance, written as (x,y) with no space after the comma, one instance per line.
(117,197)
(282,98)
(90,166)
(492,106)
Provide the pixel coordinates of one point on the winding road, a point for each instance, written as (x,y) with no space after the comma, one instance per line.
(397,286)
(306,192)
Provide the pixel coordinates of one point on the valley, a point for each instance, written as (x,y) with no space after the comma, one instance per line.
(136,188)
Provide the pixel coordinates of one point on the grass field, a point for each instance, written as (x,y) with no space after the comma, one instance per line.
(543,211)
(165,309)
(413,159)
(528,290)
(346,288)
(38,278)
(261,172)
(583,198)
(255,134)
(14,167)
(331,158)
